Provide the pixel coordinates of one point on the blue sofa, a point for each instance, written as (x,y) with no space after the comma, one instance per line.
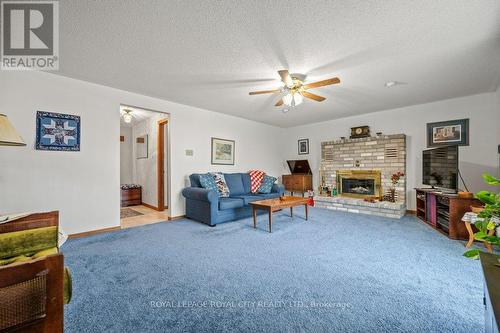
(205,206)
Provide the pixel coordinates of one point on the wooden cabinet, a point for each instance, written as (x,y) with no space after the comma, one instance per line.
(131,197)
(297,183)
(444,212)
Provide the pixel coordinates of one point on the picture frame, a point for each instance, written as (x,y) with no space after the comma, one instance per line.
(303,146)
(57,131)
(222,151)
(448,133)
(142,147)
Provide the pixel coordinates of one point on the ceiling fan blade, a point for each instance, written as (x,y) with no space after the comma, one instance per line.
(312,96)
(285,77)
(279,103)
(264,92)
(322,83)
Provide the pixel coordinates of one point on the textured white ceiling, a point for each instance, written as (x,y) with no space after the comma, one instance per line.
(210,54)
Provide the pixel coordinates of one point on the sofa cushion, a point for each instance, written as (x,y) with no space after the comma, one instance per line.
(249,198)
(207,181)
(245,177)
(235,183)
(195,179)
(267,184)
(230,203)
(220,181)
(256,177)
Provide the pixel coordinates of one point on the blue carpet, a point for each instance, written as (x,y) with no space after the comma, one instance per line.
(338,272)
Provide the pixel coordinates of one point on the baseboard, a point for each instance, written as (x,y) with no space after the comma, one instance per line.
(173,218)
(411,212)
(150,206)
(93,232)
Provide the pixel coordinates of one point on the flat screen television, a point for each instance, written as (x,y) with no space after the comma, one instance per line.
(440,167)
(299,166)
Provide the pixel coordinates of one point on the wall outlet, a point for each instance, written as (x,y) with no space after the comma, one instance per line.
(189,152)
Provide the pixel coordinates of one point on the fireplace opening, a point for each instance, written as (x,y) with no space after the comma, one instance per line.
(358,186)
(359,183)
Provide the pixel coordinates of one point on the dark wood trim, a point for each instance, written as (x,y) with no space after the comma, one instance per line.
(161,164)
(411,212)
(93,232)
(150,206)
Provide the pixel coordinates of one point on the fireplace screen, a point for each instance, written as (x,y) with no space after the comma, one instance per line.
(359,183)
(358,186)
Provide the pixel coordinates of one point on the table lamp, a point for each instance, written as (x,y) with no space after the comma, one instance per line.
(8,134)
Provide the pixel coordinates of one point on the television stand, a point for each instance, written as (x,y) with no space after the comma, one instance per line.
(444,211)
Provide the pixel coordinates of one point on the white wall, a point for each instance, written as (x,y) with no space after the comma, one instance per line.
(84,186)
(475,159)
(146,169)
(126,166)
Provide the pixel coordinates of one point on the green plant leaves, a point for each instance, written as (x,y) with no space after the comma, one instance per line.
(490,180)
(472,254)
(486,197)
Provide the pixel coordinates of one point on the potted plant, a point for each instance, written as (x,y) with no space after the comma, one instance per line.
(395,180)
(490,217)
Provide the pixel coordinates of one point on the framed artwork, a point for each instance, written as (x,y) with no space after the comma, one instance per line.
(222,151)
(448,133)
(303,146)
(141,146)
(57,131)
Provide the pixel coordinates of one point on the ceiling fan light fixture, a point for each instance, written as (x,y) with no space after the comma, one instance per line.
(298,98)
(288,99)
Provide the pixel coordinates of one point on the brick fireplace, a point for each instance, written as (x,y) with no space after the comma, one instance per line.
(362,168)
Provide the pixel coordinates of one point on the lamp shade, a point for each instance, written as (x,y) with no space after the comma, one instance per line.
(8,134)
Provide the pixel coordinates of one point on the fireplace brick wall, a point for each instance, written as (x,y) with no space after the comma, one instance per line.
(386,153)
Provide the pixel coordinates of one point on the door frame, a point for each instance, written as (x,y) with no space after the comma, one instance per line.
(160,167)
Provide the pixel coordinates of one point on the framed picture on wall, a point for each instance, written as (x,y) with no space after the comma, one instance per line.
(141,146)
(303,146)
(448,133)
(57,131)
(222,151)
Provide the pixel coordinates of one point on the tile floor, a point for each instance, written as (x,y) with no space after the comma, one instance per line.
(149,216)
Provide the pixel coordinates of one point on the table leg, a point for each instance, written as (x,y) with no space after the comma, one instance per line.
(307,211)
(471,234)
(291,211)
(270,219)
(488,245)
(254,217)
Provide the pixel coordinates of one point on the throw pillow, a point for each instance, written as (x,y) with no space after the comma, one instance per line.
(220,181)
(208,182)
(267,184)
(256,177)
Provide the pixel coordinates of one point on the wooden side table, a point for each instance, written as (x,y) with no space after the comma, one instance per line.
(472,217)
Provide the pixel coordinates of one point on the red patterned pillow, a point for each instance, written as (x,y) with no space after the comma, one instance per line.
(256,177)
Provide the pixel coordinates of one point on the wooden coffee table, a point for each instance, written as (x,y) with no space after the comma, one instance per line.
(272,205)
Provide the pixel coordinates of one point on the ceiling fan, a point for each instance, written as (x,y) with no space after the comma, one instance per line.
(294,89)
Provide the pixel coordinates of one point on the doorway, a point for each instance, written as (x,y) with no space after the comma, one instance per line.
(144,166)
